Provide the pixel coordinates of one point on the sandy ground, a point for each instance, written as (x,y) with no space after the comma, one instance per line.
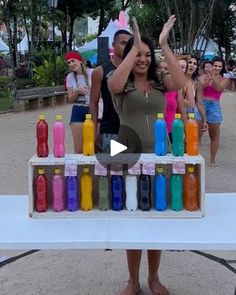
(100,272)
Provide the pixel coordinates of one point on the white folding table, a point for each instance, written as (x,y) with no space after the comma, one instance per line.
(215,231)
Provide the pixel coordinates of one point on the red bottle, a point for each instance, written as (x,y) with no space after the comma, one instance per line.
(41,188)
(42,137)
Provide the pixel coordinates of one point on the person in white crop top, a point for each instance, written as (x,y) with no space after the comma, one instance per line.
(78,83)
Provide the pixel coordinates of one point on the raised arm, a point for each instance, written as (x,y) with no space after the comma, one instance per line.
(176,80)
(118,79)
(95,94)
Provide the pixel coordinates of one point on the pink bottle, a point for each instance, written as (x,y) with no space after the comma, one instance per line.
(58,191)
(58,137)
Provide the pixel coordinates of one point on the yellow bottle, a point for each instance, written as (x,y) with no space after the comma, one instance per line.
(88,136)
(86,191)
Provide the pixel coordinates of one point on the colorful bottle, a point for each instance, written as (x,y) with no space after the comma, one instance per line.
(58,191)
(42,137)
(131,189)
(117,192)
(88,136)
(58,137)
(41,189)
(103,193)
(191,132)
(190,190)
(160,131)
(145,192)
(177,136)
(176,192)
(160,198)
(86,190)
(72,193)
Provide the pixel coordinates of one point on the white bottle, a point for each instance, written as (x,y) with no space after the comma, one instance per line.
(131,192)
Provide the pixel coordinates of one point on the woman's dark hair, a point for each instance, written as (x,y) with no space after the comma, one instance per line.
(220,59)
(195,74)
(205,63)
(153,65)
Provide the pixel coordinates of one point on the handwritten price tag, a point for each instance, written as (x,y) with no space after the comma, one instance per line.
(70,169)
(135,169)
(116,169)
(178,167)
(148,168)
(100,170)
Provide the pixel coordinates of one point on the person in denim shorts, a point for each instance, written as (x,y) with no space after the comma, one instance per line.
(213,84)
(78,83)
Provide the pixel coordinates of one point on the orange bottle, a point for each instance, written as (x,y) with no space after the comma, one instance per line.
(86,190)
(190,190)
(191,133)
(88,136)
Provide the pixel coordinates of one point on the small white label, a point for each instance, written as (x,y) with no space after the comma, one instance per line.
(100,170)
(70,169)
(178,167)
(135,169)
(148,168)
(116,169)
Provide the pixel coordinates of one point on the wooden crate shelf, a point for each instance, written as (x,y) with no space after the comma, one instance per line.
(80,160)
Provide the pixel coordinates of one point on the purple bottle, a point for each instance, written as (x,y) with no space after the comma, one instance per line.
(72,193)
(117,192)
(58,191)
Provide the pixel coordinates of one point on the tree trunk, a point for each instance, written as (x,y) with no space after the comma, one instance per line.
(101,21)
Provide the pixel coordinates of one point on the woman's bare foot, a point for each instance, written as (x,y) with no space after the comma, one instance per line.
(157,288)
(131,289)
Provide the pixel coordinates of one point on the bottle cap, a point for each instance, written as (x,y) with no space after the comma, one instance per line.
(58,117)
(41,117)
(160,116)
(57,171)
(160,169)
(190,169)
(177,116)
(191,115)
(40,171)
(88,116)
(86,170)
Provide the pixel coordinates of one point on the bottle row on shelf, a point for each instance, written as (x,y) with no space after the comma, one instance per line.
(117,192)
(183,138)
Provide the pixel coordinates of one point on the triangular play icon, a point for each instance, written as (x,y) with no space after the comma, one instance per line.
(116,148)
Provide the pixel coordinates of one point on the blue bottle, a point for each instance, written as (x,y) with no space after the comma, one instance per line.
(72,193)
(160,199)
(144,192)
(177,136)
(176,192)
(117,192)
(160,135)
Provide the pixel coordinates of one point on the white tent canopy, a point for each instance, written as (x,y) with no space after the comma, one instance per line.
(201,43)
(3,45)
(109,32)
(23,46)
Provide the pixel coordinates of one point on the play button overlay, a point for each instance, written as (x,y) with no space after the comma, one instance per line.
(126,150)
(116,148)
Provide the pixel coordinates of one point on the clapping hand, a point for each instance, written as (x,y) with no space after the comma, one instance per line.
(163,38)
(136,34)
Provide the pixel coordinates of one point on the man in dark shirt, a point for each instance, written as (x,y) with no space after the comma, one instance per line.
(110,123)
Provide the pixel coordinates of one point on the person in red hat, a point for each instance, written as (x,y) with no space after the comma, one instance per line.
(78,83)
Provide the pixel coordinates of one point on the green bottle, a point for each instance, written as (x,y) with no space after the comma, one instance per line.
(176,192)
(103,193)
(177,136)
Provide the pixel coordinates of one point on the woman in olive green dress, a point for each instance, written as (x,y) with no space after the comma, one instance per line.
(138,95)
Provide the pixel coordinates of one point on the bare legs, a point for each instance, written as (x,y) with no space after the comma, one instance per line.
(214,133)
(76,129)
(133,260)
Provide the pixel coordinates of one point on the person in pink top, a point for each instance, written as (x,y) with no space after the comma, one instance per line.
(213,84)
